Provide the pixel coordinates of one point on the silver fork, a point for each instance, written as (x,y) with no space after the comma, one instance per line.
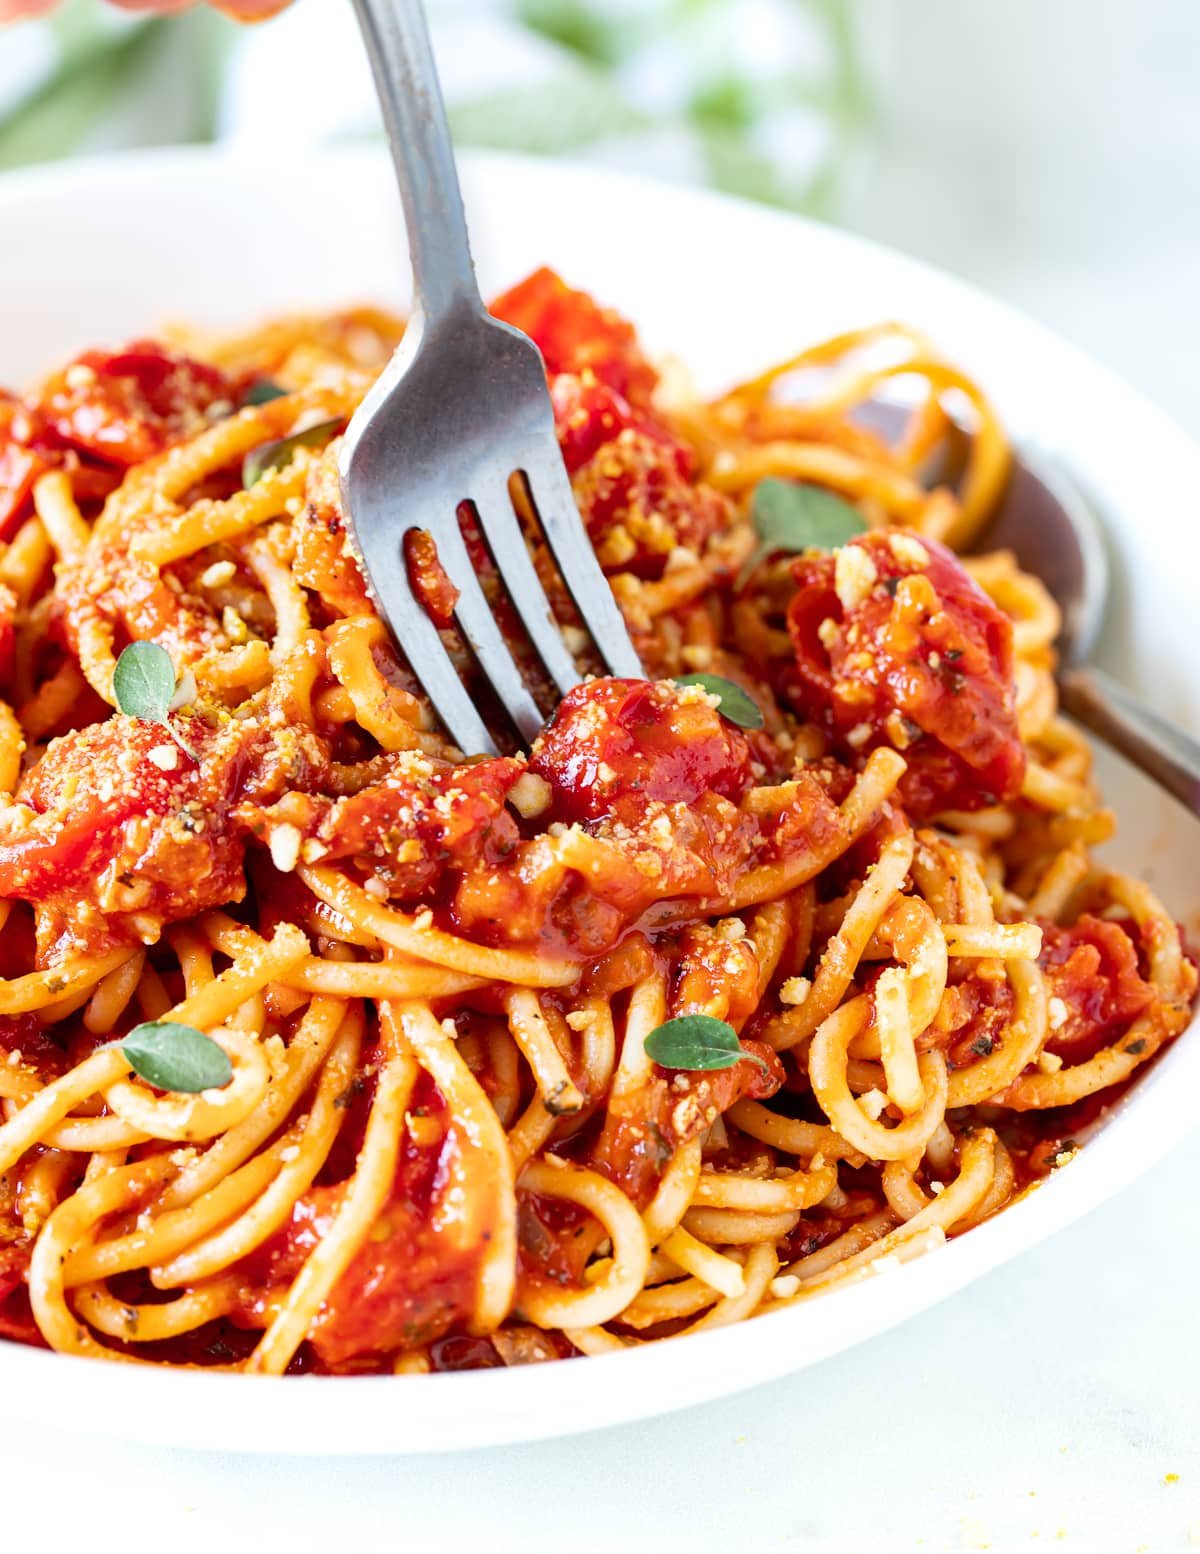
(461,407)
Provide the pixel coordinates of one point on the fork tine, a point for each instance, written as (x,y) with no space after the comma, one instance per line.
(498,520)
(483,634)
(424,649)
(554,501)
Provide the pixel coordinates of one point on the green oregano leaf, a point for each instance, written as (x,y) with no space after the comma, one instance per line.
(144,685)
(176,1057)
(144,681)
(278,454)
(699,1042)
(792,516)
(263,392)
(736,704)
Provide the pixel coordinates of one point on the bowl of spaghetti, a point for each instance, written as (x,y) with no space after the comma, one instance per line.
(762,1003)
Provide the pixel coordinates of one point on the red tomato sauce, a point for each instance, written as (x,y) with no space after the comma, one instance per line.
(615,745)
(412,1280)
(639,1138)
(917,656)
(1093,974)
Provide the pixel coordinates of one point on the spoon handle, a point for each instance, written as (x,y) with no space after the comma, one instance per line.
(397,39)
(1155,746)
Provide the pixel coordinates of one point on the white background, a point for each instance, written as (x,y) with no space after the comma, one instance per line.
(1050,150)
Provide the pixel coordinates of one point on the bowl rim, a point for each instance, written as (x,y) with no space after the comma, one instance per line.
(331,1415)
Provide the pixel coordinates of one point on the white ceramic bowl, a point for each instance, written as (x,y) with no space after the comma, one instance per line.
(99,251)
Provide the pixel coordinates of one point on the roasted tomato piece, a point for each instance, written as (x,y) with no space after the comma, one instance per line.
(125,406)
(26,1035)
(13,1263)
(577,894)
(613,746)
(1095,987)
(895,644)
(115,831)
(28,448)
(588,414)
(426,819)
(20,464)
(639,507)
(8,628)
(416,1274)
(573,333)
(19,469)
(554,1238)
(973,1017)
(650,781)
(464,1354)
(16,1319)
(643,1130)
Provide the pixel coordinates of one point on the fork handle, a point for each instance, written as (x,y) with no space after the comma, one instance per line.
(396,35)
(1160,749)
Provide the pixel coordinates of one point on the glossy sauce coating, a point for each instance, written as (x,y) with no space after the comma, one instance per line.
(895,644)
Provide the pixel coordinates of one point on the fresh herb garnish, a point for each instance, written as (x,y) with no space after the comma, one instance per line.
(176,1057)
(278,454)
(144,686)
(263,392)
(792,516)
(736,705)
(697,1041)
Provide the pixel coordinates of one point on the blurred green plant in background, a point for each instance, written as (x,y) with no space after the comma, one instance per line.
(91,78)
(758,97)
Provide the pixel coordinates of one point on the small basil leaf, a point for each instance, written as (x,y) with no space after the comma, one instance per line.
(144,681)
(176,1057)
(697,1041)
(792,516)
(736,705)
(278,454)
(263,392)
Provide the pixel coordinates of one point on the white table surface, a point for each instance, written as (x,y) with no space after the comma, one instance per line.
(1050,150)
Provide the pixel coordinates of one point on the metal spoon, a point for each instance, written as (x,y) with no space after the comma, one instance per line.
(1048,524)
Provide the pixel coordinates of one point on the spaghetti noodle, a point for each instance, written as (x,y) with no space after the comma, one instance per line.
(449,1133)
